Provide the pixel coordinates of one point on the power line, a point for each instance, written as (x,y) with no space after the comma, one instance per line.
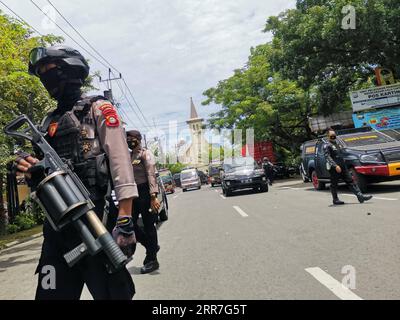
(40,9)
(82,37)
(100,55)
(21,19)
(134,100)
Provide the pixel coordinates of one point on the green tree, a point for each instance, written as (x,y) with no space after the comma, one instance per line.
(311,47)
(257,97)
(19,92)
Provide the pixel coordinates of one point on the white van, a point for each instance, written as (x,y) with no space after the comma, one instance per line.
(190,179)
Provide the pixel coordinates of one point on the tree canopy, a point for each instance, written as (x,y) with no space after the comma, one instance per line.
(308,68)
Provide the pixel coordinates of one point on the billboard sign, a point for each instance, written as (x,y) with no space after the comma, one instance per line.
(381,119)
(377,97)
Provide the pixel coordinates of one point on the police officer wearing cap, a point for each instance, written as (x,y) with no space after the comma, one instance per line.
(87,134)
(338,170)
(147,205)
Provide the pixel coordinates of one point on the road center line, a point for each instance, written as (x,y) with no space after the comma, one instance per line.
(240,211)
(332,284)
(222,196)
(378,198)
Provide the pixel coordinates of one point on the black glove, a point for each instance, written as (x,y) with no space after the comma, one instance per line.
(124,235)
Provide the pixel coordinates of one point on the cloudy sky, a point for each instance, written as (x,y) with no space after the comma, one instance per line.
(168,51)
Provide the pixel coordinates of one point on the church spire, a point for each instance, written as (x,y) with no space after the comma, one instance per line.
(194,116)
(193,111)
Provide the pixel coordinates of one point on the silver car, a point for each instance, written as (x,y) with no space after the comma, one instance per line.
(190,179)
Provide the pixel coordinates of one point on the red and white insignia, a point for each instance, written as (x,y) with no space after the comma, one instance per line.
(110,115)
(52,129)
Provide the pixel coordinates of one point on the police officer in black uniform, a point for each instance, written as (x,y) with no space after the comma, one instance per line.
(268,167)
(88,135)
(338,170)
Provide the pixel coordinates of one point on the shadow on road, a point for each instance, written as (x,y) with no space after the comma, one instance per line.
(136,271)
(374,189)
(13,261)
(29,246)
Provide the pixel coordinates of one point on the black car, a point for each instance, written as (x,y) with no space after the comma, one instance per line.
(282,171)
(242,173)
(370,155)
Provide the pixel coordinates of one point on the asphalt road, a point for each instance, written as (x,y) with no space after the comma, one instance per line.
(289,243)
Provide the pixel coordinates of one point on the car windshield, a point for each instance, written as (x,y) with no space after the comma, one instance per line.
(166,179)
(236,163)
(188,175)
(213,170)
(364,139)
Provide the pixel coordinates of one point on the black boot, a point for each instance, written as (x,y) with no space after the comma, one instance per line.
(150,257)
(335,197)
(150,266)
(360,196)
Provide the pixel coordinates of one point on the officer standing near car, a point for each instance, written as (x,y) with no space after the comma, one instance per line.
(268,169)
(338,170)
(88,135)
(148,206)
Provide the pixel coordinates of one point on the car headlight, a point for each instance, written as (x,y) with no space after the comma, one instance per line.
(230,176)
(258,172)
(372,158)
(228,183)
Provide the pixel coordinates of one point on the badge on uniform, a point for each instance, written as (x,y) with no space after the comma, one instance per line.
(135,162)
(52,129)
(110,115)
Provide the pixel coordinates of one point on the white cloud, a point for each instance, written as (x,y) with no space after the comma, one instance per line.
(167,50)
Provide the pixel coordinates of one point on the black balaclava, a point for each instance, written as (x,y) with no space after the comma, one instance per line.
(63,86)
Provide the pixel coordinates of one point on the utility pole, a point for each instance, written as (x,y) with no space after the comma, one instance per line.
(108,93)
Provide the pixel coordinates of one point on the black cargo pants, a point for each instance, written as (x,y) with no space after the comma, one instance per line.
(69,282)
(148,235)
(346,177)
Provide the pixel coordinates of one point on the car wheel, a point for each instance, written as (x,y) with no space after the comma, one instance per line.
(228,193)
(183,190)
(212,185)
(164,214)
(318,185)
(359,179)
(264,188)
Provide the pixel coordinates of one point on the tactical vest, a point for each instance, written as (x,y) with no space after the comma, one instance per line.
(68,141)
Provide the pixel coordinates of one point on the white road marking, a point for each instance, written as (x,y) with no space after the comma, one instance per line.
(241,212)
(337,288)
(222,196)
(176,196)
(378,198)
(291,188)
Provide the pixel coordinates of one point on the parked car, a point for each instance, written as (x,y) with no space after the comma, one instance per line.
(370,155)
(214,172)
(190,179)
(242,173)
(282,171)
(177,179)
(162,198)
(169,183)
(203,177)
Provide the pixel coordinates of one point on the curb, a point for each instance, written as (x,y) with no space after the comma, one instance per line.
(16,242)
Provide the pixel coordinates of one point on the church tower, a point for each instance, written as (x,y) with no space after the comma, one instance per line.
(199,145)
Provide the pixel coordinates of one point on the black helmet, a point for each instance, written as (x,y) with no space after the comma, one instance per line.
(66,58)
(134,134)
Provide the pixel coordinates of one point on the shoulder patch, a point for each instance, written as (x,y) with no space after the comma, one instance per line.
(110,115)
